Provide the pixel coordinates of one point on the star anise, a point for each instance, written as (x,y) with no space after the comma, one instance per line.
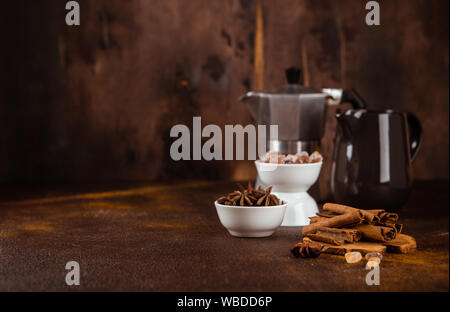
(250,197)
(307,250)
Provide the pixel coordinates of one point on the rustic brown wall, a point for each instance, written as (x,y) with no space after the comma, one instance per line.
(96,102)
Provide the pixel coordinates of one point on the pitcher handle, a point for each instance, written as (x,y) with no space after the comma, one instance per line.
(338,96)
(415,134)
(353,97)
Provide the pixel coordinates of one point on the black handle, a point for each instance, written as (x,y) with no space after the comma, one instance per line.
(353,97)
(415,134)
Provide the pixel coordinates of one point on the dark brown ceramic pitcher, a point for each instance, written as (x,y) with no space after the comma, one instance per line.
(372,158)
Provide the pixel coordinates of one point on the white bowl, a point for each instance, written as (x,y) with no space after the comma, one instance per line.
(288,178)
(290,182)
(248,221)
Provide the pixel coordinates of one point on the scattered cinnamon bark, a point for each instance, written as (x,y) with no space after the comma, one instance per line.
(335,236)
(316,219)
(378,225)
(349,218)
(342,228)
(388,218)
(401,244)
(327,214)
(368,216)
(376,233)
(361,246)
(374,216)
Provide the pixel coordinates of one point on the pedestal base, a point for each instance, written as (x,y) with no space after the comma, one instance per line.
(300,207)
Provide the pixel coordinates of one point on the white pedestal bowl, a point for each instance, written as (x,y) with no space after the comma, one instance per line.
(291,182)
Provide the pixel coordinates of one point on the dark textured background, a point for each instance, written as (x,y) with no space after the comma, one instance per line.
(96,102)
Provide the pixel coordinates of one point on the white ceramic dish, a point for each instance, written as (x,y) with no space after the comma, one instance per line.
(248,221)
(290,183)
(288,178)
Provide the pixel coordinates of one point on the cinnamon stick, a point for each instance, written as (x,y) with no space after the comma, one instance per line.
(398,228)
(338,221)
(327,214)
(325,239)
(377,233)
(335,236)
(368,216)
(316,219)
(388,217)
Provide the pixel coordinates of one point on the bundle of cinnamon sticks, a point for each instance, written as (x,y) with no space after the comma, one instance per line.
(339,225)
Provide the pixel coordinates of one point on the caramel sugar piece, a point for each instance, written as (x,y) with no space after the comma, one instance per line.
(315,157)
(302,157)
(353,257)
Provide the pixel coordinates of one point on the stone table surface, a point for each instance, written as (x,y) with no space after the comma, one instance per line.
(167,237)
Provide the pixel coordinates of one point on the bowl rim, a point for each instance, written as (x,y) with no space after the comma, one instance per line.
(265,207)
(259,161)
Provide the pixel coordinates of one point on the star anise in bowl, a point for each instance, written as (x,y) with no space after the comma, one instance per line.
(307,250)
(250,197)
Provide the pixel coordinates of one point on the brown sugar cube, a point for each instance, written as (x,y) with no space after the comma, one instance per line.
(303,157)
(289,159)
(281,158)
(315,157)
(270,157)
